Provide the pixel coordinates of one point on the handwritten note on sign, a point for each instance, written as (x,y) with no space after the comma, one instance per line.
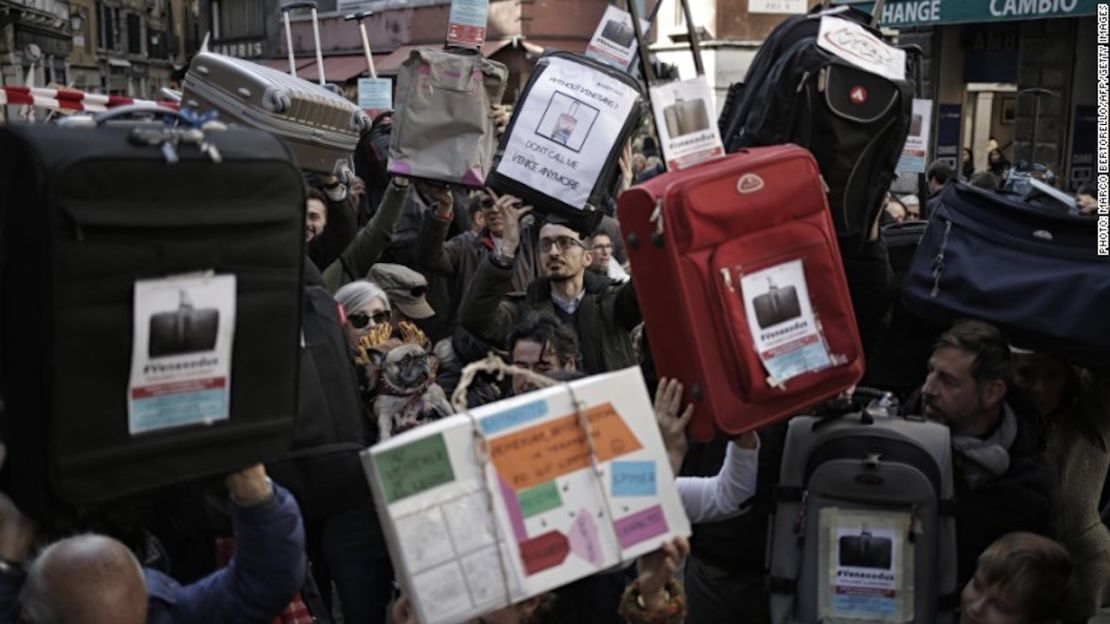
(415,467)
(557,447)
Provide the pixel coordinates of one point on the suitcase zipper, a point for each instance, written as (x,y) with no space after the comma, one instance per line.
(938,262)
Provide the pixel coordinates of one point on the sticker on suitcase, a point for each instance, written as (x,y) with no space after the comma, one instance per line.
(853,43)
(184,328)
(784,329)
(865,565)
(688,129)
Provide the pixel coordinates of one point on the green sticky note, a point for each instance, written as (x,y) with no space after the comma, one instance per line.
(414,467)
(538,499)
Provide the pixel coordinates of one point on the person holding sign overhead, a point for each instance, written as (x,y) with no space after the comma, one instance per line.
(601,312)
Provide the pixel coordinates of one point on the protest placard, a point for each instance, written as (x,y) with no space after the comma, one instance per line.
(687,125)
(486,509)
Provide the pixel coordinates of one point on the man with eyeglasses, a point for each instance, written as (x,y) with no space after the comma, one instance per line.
(458,258)
(601,311)
(605,262)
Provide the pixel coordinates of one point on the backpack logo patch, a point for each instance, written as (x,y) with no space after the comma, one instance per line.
(749,183)
(858,95)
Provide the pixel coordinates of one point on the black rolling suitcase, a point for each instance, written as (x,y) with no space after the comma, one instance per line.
(151,304)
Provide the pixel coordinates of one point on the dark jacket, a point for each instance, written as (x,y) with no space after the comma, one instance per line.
(369,243)
(457,260)
(1019,500)
(266,572)
(606,315)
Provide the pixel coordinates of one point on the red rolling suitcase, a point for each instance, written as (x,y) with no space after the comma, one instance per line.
(741,287)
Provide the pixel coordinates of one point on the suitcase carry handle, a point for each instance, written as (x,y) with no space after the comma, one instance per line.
(119,112)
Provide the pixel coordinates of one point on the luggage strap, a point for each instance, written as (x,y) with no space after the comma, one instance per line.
(788,493)
(781,585)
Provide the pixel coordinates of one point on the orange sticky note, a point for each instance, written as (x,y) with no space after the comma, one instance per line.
(557,447)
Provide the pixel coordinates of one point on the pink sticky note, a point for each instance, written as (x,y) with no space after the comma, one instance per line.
(642,525)
(583,538)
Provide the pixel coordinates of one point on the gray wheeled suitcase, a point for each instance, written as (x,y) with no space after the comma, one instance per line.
(320,127)
(863,529)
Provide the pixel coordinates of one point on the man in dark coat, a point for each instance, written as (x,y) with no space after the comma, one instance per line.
(601,311)
(1002,483)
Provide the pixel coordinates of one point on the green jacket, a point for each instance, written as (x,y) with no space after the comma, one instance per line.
(603,322)
(369,244)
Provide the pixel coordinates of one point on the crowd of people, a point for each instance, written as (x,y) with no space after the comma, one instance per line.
(430,278)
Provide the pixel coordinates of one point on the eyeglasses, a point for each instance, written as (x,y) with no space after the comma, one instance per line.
(360,320)
(564,243)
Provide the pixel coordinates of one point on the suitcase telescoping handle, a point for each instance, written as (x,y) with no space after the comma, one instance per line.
(645,63)
(303,4)
(365,39)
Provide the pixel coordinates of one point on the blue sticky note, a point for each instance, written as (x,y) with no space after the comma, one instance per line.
(633,478)
(513,417)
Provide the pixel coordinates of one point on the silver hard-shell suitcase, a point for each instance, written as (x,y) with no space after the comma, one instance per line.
(320,127)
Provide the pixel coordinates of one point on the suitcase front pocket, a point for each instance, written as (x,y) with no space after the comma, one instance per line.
(782,310)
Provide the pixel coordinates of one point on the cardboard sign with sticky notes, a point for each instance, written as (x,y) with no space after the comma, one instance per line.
(522,496)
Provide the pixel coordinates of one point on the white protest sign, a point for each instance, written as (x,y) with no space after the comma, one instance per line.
(544,504)
(614,41)
(687,129)
(565,129)
(375,95)
(915,153)
(784,330)
(181,352)
(855,44)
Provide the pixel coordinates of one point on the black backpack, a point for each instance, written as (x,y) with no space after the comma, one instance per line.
(796,92)
(322,468)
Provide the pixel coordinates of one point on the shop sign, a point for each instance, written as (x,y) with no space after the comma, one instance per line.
(907,13)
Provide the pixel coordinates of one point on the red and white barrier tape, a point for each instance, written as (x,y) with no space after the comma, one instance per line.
(64,99)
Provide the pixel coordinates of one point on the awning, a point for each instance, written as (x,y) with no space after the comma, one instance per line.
(909,13)
(340,68)
(118,63)
(282,64)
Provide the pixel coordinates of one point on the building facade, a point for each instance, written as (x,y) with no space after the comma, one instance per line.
(1020,72)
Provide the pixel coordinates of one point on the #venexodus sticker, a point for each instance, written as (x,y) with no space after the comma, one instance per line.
(780,316)
(184,328)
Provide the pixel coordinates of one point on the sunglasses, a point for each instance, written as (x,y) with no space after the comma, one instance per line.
(360,320)
(564,243)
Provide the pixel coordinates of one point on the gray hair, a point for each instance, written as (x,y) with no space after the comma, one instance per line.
(358,294)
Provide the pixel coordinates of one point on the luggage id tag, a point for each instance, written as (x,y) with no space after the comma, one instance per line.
(785,332)
(687,126)
(184,329)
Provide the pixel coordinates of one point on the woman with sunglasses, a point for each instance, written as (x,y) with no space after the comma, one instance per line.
(366,306)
